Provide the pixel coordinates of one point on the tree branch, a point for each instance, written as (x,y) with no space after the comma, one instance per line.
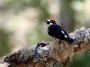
(53,53)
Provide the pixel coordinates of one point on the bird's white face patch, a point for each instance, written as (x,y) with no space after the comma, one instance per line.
(49,20)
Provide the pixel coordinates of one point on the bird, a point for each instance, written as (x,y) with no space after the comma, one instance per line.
(56,31)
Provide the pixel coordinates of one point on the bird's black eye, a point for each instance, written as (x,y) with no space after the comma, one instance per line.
(48,22)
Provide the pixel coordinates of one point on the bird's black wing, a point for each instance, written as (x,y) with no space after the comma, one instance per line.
(57,32)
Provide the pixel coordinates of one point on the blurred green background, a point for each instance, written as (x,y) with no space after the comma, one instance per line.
(22,23)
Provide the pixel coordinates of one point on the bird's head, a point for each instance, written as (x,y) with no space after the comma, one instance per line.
(50,21)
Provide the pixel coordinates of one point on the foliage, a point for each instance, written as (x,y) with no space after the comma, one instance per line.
(82,60)
(4,45)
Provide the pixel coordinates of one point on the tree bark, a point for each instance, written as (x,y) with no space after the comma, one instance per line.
(54,53)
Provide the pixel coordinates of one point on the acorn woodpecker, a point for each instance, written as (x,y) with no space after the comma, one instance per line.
(57,31)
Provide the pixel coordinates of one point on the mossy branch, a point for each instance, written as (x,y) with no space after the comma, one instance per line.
(55,53)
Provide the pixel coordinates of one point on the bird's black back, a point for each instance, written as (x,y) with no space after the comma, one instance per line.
(56,31)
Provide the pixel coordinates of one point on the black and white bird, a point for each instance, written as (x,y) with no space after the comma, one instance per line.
(58,32)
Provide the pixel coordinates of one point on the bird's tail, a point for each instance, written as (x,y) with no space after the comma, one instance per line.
(70,40)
